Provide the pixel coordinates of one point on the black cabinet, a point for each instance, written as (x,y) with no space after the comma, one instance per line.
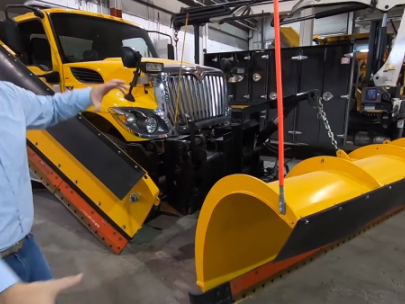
(325,68)
(338,70)
(290,71)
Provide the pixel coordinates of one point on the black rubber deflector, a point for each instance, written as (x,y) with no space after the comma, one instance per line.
(78,191)
(342,221)
(218,295)
(101,157)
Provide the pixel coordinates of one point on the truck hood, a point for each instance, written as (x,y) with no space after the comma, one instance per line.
(112,68)
(116,64)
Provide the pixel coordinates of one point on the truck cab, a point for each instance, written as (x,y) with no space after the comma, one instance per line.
(71,49)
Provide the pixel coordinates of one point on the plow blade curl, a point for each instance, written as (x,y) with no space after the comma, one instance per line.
(328,199)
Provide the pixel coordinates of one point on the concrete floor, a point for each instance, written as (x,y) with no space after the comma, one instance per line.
(158,267)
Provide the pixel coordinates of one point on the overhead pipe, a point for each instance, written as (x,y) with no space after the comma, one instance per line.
(236,21)
(323,14)
(246,11)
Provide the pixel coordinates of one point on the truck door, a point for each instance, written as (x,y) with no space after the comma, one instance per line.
(38,53)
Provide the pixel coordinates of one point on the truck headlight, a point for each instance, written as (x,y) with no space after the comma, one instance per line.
(144,123)
(148,123)
(151,124)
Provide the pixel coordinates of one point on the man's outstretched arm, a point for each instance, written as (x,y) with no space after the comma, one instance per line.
(45,111)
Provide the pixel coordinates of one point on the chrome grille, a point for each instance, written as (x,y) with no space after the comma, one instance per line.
(202,100)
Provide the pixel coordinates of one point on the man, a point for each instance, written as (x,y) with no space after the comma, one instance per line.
(25,277)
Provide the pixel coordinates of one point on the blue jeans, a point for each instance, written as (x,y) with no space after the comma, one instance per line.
(29,263)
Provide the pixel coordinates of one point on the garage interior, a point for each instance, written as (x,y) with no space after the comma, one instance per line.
(208,185)
(352,273)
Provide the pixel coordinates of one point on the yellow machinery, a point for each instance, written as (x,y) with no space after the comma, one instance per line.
(289,37)
(361,42)
(169,136)
(66,59)
(242,240)
(112,203)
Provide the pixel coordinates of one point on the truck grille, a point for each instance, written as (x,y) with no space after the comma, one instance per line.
(202,100)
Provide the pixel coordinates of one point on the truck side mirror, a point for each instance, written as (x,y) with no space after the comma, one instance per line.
(10,35)
(130,58)
(170,51)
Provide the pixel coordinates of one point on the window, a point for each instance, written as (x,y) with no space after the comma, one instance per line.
(138,44)
(88,38)
(37,50)
(75,48)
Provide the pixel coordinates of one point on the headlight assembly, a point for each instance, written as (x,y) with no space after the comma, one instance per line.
(148,123)
(130,118)
(142,122)
(151,124)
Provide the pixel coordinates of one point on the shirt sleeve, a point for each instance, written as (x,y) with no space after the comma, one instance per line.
(45,111)
(8,277)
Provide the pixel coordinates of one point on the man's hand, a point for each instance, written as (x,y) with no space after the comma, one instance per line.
(44,292)
(97,94)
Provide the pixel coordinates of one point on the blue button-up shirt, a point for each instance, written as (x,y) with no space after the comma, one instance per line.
(22,110)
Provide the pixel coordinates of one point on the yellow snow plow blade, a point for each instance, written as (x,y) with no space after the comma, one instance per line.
(327,199)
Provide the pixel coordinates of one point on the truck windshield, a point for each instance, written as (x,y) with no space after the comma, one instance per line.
(87,38)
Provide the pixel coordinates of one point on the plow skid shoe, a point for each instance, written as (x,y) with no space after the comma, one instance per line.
(242,240)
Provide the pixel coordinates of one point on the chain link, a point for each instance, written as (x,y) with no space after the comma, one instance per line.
(322,115)
(176,38)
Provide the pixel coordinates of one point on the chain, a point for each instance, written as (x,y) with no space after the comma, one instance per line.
(176,40)
(322,115)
